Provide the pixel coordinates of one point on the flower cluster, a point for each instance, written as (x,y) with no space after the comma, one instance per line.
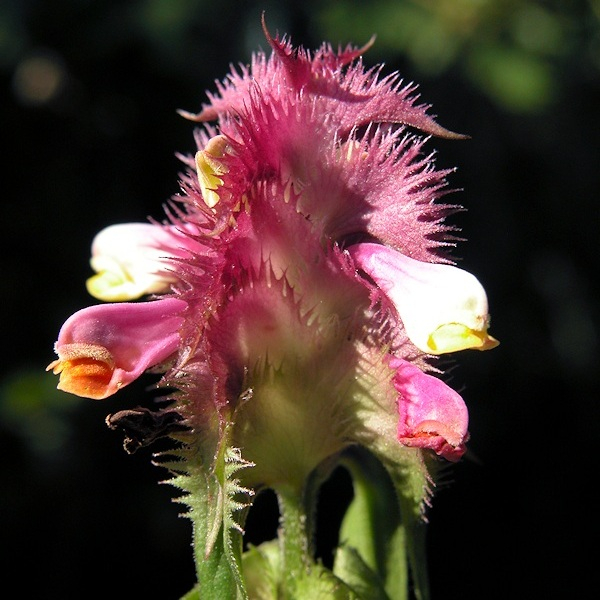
(296,296)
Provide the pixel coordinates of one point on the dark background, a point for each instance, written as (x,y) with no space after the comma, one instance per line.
(89,133)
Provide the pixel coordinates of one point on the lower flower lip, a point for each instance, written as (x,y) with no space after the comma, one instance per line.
(85,375)
(453,337)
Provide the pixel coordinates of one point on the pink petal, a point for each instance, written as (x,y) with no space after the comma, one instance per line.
(103,348)
(432,415)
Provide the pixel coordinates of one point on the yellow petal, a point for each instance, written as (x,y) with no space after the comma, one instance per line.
(209,167)
(110,287)
(453,337)
(114,281)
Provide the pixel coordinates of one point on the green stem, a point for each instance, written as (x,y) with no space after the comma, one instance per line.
(294,540)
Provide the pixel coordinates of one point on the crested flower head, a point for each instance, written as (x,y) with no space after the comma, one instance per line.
(308,212)
(302,284)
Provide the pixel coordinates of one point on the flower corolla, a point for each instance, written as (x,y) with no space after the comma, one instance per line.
(135,259)
(443,308)
(103,348)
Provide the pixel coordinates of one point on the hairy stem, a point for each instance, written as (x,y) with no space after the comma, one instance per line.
(294,540)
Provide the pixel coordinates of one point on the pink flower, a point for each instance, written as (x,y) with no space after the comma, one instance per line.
(443,308)
(294,302)
(309,243)
(103,348)
(432,415)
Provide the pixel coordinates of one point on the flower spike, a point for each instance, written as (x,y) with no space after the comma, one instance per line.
(287,339)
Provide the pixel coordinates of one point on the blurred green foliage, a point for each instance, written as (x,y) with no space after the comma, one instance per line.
(511,50)
(518,52)
(32,407)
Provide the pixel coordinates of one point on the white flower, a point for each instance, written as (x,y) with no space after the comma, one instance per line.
(443,308)
(132,259)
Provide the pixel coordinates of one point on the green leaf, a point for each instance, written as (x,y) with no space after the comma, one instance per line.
(265,579)
(372,532)
(217,505)
(351,567)
(412,480)
(319,583)
(235,504)
(262,565)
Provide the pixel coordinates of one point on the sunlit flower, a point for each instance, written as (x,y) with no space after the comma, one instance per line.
(103,348)
(256,256)
(443,308)
(134,259)
(432,415)
(305,284)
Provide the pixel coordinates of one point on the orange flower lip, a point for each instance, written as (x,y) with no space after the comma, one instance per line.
(85,369)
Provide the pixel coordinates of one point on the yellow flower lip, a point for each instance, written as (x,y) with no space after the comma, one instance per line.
(111,282)
(453,337)
(209,168)
(117,281)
